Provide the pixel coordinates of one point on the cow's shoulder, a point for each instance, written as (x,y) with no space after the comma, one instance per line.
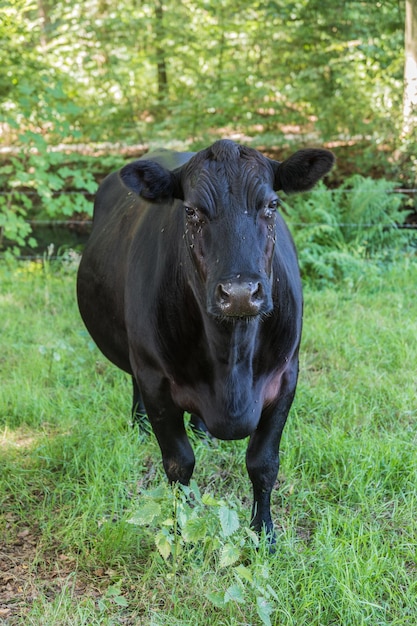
(109,194)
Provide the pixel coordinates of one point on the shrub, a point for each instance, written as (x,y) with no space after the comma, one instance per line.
(45,184)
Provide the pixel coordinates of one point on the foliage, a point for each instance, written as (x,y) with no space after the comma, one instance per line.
(132,71)
(44,184)
(85,511)
(187,525)
(275,72)
(336,229)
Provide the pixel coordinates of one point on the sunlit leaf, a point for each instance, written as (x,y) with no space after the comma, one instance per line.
(229,554)
(216,598)
(244,572)
(194,529)
(146,514)
(229,520)
(163,543)
(264,610)
(234,593)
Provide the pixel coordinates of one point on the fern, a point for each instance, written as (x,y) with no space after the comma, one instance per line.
(335,230)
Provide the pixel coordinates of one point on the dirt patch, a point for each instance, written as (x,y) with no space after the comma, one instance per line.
(28,572)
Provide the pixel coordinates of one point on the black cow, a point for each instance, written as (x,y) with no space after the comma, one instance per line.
(190,283)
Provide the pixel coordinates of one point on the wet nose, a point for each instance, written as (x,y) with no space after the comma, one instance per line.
(240,299)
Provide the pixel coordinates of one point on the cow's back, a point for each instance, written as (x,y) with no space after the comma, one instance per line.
(167,158)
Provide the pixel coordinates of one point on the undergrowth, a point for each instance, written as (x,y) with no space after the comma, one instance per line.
(335,230)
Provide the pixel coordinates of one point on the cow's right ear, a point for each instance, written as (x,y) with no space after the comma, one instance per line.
(151,181)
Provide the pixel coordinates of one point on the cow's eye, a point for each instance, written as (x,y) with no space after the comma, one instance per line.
(270,208)
(191,213)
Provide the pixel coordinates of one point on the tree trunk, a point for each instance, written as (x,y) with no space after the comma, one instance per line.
(410,67)
(160,52)
(43,11)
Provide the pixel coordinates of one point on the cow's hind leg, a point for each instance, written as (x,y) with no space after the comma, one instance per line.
(262,457)
(139,416)
(199,427)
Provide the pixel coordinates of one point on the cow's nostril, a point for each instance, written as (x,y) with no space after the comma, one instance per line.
(223,294)
(257,293)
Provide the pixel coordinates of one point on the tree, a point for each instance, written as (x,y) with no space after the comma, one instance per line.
(160,52)
(410,67)
(159,71)
(119,71)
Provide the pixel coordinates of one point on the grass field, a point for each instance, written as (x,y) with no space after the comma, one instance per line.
(89,531)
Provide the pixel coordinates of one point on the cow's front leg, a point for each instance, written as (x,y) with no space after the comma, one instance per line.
(262,458)
(167,422)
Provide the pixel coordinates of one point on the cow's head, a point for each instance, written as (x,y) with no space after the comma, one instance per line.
(229,202)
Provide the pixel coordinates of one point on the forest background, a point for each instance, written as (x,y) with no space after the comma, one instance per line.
(80,80)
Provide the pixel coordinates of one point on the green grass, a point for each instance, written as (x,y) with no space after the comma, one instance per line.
(84,502)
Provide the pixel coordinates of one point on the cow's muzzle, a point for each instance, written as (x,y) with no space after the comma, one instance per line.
(241,299)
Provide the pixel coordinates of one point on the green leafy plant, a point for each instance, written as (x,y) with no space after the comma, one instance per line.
(45,184)
(187,525)
(188,520)
(336,229)
(84,68)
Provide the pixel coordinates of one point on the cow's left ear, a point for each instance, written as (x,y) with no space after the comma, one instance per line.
(151,181)
(302,170)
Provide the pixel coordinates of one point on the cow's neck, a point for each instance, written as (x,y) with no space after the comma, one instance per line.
(232,343)
(231,347)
